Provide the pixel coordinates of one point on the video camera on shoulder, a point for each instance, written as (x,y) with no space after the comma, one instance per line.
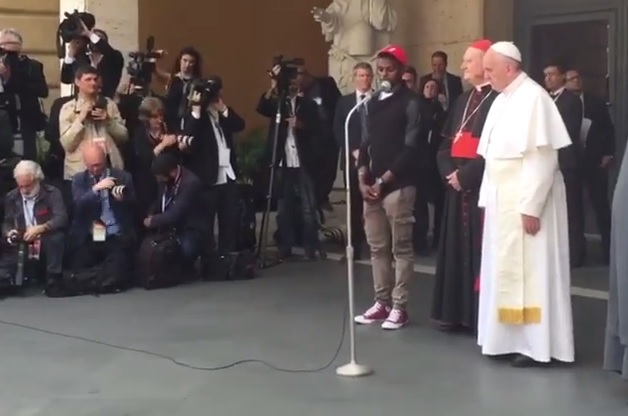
(289,69)
(70,28)
(142,65)
(209,90)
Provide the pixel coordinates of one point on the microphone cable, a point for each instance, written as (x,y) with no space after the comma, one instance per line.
(184,364)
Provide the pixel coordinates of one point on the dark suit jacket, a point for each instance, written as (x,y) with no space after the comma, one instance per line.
(202,156)
(307,137)
(186,210)
(110,68)
(49,209)
(326,89)
(88,208)
(570,109)
(345,104)
(600,140)
(453,89)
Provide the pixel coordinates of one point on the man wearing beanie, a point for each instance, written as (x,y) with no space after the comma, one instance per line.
(387,176)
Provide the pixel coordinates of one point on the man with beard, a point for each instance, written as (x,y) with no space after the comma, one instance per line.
(455,299)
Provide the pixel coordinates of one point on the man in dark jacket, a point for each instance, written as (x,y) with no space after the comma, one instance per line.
(179,208)
(108,61)
(211,155)
(296,164)
(34,214)
(387,175)
(102,227)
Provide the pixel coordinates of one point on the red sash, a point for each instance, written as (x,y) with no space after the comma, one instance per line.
(465,146)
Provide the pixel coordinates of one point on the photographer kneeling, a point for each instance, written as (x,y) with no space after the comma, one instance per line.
(212,157)
(178,210)
(35,215)
(102,230)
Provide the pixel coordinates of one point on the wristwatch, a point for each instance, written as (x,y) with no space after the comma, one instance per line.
(379,181)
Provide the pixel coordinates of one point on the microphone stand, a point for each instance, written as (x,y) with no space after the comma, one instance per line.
(351,369)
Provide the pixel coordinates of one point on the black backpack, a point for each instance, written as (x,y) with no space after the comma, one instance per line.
(159,262)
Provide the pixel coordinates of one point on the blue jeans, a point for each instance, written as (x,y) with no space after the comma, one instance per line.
(191,242)
(298,198)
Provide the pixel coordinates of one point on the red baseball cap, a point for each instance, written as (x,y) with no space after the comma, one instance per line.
(396,52)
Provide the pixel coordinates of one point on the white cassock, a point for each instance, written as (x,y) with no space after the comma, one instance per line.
(525,301)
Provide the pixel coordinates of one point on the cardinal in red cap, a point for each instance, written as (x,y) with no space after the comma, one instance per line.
(456,291)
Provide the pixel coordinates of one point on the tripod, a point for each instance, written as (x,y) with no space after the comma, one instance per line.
(261,254)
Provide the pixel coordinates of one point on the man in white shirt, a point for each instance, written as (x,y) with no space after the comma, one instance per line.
(525,303)
(211,155)
(298,160)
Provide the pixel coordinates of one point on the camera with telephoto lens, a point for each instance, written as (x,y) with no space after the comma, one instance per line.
(142,65)
(185,140)
(209,90)
(118,191)
(289,69)
(15,237)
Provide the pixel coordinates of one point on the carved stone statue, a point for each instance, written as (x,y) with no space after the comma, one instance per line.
(357,29)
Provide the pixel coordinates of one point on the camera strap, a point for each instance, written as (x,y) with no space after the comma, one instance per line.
(170,192)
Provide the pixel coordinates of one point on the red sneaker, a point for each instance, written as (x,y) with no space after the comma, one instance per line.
(396,319)
(376,313)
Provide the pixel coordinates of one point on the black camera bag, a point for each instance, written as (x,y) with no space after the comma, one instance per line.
(159,262)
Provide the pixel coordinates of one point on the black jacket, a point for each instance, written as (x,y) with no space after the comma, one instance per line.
(345,104)
(202,155)
(391,134)
(600,140)
(307,135)
(49,209)
(185,209)
(570,108)
(110,68)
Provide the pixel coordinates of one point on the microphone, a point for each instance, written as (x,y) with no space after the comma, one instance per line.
(385,86)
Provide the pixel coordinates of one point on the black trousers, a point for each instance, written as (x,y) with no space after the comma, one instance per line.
(221,201)
(429,190)
(575,216)
(358,235)
(596,184)
(119,250)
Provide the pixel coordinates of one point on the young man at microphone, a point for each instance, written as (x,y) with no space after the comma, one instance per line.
(386,173)
(363,80)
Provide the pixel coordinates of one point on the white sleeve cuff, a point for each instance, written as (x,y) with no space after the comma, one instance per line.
(68,60)
(94,38)
(225,113)
(196,114)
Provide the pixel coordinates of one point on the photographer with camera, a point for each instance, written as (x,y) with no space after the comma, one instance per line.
(34,222)
(89,119)
(90,47)
(22,84)
(102,231)
(151,139)
(187,70)
(297,159)
(212,157)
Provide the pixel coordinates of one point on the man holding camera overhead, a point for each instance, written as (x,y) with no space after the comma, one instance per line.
(211,155)
(90,47)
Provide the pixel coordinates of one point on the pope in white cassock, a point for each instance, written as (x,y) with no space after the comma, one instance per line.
(525,302)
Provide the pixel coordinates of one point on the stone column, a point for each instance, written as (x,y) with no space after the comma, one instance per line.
(119,18)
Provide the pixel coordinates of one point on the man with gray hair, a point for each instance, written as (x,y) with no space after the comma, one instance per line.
(22,84)
(34,215)
(525,303)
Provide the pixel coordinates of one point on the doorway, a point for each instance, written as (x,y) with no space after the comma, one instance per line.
(582,45)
